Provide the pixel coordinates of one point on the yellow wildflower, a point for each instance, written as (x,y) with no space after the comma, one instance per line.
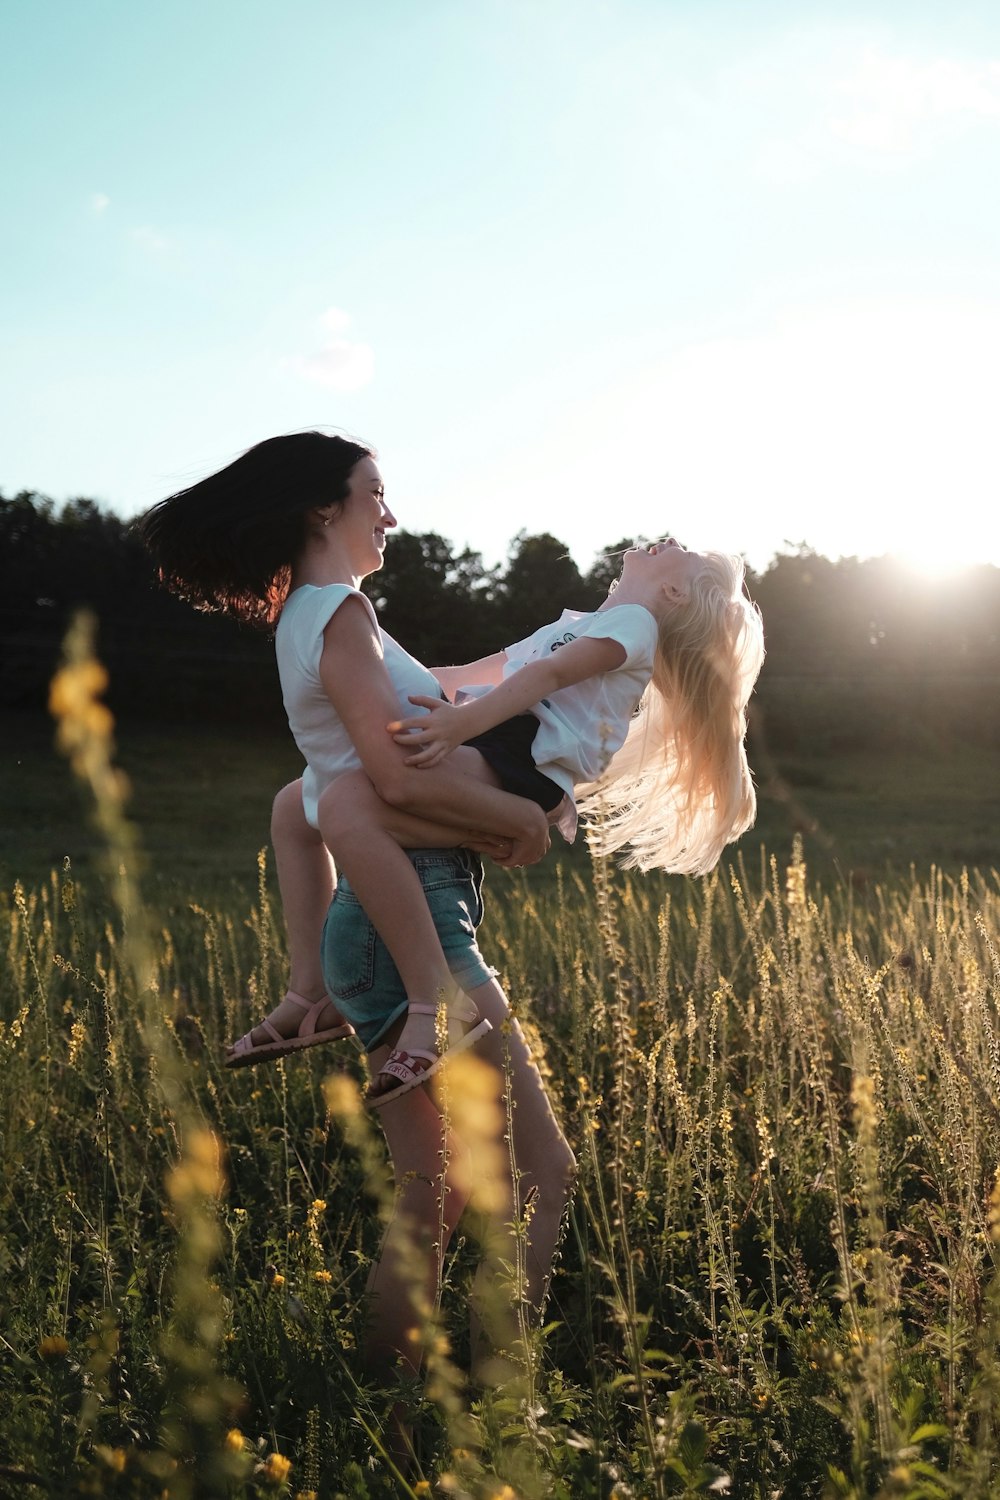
(277,1468)
(113,1457)
(319,1205)
(234,1440)
(343,1097)
(199,1172)
(323,1277)
(993,1211)
(53,1346)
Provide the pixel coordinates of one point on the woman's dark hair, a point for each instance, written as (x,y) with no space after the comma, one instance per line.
(228,543)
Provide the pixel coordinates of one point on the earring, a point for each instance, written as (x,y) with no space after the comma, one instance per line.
(327,520)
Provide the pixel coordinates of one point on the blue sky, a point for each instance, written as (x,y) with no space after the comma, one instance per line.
(725,270)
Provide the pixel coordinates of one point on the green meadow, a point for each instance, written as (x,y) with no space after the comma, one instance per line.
(778,1277)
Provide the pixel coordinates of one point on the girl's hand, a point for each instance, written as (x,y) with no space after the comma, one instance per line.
(437,732)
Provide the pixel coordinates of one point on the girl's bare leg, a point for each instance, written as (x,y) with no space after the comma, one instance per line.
(306,880)
(364,834)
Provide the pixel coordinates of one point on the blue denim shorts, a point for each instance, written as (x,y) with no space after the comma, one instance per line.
(362,979)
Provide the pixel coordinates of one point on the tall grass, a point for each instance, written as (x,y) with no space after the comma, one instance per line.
(779,1273)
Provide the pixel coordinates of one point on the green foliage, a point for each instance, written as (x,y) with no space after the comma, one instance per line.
(860,655)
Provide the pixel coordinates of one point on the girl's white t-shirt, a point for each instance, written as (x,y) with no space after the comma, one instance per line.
(581,727)
(317,729)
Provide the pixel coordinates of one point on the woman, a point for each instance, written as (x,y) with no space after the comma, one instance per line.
(283,536)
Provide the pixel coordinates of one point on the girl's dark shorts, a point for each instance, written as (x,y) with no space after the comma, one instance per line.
(362,979)
(507,748)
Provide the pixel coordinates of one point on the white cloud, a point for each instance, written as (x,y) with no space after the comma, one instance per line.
(340,363)
(334,320)
(785,163)
(149,239)
(99,202)
(892,100)
(826,96)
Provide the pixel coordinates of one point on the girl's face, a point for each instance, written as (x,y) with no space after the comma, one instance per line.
(365,518)
(665,566)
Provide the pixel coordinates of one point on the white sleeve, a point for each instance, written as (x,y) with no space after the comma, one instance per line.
(633,627)
(313,619)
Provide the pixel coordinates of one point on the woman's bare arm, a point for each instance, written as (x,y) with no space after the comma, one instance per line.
(354,675)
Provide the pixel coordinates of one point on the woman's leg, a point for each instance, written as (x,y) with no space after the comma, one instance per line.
(541,1166)
(404,1281)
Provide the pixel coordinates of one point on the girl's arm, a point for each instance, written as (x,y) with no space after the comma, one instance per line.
(447,725)
(354,676)
(486,672)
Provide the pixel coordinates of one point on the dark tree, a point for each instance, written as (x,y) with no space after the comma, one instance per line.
(540,579)
(440,607)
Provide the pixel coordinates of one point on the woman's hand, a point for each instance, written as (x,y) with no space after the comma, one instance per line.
(528,847)
(437,732)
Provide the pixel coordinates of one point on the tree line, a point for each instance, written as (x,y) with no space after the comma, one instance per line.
(858,651)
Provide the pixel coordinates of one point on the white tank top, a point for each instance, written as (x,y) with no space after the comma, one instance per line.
(321,737)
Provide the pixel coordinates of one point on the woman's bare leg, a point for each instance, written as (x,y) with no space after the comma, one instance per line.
(403,1283)
(540,1156)
(535,1171)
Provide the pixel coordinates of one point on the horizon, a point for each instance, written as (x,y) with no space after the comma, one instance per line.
(937,575)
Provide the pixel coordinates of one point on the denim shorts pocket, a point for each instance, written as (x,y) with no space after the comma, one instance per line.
(438,872)
(454,896)
(349,941)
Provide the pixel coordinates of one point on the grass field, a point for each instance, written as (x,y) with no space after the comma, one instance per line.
(202,800)
(779,1275)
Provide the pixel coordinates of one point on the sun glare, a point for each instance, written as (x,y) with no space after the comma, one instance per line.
(936,565)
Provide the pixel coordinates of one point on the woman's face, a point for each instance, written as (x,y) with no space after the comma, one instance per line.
(365,518)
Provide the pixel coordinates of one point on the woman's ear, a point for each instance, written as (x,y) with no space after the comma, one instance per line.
(325,514)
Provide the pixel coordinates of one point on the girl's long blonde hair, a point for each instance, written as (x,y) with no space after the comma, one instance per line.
(680,789)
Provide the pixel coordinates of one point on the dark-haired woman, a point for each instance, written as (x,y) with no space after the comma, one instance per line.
(283,536)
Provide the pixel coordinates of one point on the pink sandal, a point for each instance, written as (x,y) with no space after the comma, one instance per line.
(245,1052)
(411,1069)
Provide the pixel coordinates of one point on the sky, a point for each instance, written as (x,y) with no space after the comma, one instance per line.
(727,270)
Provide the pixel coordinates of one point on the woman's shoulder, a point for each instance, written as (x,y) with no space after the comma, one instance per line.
(311,606)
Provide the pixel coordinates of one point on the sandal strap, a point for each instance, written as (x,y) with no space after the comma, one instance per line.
(405,1066)
(313,1008)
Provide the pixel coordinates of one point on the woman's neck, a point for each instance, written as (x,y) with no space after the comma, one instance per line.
(322,565)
